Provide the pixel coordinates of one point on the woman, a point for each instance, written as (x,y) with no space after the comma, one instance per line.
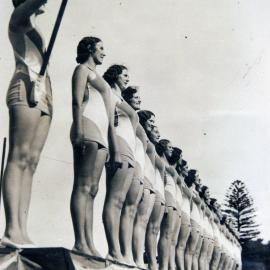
(92,124)
(29,123)
(207,246)
(158,211)
(195,234)
(146,205)
(217,245)
(131,96)
(118,213)
(175,158)
(164,149)
(185,217)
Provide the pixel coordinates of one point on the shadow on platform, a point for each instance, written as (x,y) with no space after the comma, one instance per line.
(52,259)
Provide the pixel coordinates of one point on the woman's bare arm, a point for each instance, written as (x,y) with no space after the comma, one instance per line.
(104,89)
(140,133)
(79,80)
(24,11)
(134,118)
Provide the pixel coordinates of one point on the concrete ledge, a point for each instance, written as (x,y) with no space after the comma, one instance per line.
(53,259)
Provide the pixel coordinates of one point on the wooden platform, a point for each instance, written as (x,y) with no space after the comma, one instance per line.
(53,259)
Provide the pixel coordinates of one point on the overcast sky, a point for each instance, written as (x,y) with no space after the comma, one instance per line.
(202,67)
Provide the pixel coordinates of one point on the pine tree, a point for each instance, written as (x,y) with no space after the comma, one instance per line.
(239,207)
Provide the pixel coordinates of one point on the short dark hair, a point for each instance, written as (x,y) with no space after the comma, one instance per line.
(202,191)
(161,146)
(190,179)
(128,93)
(112,73)
(175,155)
(85,48)
(144,115)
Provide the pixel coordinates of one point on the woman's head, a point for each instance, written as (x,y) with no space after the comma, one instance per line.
(132,97)
(90,47)
(204,193)
(191,177)
(154,135)
(147,120)
(117,75)
(176,156)
(166,147)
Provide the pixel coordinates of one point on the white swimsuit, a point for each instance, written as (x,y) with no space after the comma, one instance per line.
(95,111)
(149,171)
(159,184)
(140,154)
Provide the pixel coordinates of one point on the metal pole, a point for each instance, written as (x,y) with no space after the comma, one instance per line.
(2,166)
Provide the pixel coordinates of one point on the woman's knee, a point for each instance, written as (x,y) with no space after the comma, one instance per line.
(33,160)
(20,155)
(94,189)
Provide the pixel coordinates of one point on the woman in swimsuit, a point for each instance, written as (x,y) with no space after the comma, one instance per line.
(158,211)
(29,123)
(119,202)
(164,149)
(174,161)
(185,217)
(131,96)
(147,120)
(93,119)
(195,234)
(207,241)
(217,247)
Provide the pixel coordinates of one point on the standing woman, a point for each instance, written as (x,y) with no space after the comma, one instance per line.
(29,123)
(131,96)
(164,149)
(147,120)
(93,118)
(204,193)
(158,211)
(217,245)
(118,206)
(195,233)
(175,158)
(185,218)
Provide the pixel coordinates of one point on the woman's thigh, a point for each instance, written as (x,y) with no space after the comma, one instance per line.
(84,159)
(23,125)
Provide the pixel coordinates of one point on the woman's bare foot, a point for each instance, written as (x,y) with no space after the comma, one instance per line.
(81,250)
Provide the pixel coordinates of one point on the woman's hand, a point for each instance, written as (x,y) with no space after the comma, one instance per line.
(78,140)
(114,163)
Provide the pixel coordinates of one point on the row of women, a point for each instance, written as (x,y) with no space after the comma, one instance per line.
(155,209)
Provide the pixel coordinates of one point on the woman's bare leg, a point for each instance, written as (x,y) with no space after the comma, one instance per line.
(23,126)
(181,246)
(142,218)
(95,177)
(222,261)
(215,259)
(195,260)
(84,165)
(117,189)
(191,247)
(176,229)
(152,234)
(209,254)
(203,254)
(127,219)
(165,239)
(26,188)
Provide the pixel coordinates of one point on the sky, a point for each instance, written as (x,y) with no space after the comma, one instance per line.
(202,67)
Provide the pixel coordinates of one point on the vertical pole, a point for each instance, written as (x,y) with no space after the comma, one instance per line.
(2,166)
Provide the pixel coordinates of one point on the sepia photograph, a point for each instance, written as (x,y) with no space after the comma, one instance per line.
(134,135)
